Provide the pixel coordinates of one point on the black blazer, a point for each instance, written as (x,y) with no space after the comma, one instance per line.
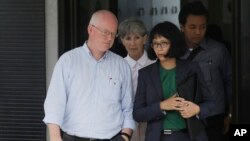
(149,94)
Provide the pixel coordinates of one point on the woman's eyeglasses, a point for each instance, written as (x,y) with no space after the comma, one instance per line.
(160,45)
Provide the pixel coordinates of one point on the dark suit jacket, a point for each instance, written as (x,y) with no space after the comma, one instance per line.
(149,94)
(216,67)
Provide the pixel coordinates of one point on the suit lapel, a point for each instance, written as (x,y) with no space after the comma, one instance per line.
(180,72)
(181,76)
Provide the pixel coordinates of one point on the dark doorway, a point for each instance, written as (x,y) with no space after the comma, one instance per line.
(74,17)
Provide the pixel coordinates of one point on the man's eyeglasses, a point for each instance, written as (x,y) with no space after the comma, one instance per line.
(105,32)
(160,45)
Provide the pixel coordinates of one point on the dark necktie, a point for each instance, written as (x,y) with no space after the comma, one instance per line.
(194,52)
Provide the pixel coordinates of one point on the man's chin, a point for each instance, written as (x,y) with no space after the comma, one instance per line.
(104,48)
(197,41)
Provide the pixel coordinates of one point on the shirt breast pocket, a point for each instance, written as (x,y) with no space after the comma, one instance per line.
(113,87)
(206,70)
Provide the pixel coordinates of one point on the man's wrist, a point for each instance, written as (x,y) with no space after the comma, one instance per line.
(126,135)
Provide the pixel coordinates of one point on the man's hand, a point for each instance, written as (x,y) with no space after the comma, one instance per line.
(125,138)
(54,132)
(227,121)
(189,109)
(126,133)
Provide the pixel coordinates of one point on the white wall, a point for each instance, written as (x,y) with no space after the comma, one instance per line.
(150,12)
(51,37)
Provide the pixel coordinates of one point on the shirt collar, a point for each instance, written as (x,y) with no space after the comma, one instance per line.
(141,61)
(86,49)
(202,45)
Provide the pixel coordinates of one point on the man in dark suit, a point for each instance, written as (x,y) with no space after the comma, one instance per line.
(215,63)
(172,96)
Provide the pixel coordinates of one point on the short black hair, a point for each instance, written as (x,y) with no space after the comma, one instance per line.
(173,34)
(192,8)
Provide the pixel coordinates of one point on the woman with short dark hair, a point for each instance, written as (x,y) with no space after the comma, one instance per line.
(171,96)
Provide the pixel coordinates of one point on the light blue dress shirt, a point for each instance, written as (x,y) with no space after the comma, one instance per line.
(90,98)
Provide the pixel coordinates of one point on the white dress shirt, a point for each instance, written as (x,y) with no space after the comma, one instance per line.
(139,133)
(136,65)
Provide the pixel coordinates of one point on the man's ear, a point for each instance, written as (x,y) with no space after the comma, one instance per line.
(89,29)
(181,28)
